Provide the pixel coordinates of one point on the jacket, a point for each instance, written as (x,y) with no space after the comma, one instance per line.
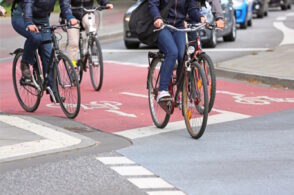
(42,9)
(216,9)
(178,12)
(79,13)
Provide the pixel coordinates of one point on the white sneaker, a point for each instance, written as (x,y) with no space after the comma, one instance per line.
(162,94)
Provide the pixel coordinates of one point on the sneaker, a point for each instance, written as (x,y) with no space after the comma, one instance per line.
(162,96)
(25,71)
(57,101)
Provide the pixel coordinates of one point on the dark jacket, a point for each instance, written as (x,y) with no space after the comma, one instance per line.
(178,11)
(79,13)
(42,9)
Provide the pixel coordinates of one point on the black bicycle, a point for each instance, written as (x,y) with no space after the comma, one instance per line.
(90,51)
(65,86)
(189,92)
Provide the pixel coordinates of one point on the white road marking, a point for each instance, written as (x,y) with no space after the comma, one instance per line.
(224,116)
(150,183)
(134,94)
(281,18)
(127,63)
(131,170)
(290,14)
(115,160)
(53,139)
(287,32)
(165,193)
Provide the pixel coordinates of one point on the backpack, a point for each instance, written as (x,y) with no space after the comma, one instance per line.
(142,24)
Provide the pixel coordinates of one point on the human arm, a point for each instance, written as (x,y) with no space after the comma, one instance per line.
(217,12)
(155,13)
(66,12)
(105,3)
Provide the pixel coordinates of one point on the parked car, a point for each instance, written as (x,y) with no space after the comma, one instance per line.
(209,37)
(284,4)
(244,10)
(260,8)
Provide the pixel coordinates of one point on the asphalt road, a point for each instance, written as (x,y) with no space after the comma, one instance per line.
(251,155)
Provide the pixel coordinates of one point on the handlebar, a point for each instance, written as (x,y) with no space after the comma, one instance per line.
(191,27)
(52,28)
(100,8)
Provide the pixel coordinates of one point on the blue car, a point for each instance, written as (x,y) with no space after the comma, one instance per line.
(243,10)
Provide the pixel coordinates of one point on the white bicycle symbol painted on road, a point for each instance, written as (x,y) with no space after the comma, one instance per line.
(108,106)
(257,100)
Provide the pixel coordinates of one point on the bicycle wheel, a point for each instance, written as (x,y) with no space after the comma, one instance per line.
(206,63)
(66,85)
(96,64)
(80,71)
(159,116)
(195,101)
(27,94)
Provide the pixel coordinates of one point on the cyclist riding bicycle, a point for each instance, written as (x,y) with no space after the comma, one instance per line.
(172,43)
(27,16)
(73,33)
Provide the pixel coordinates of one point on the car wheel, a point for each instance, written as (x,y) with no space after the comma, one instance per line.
(265,13)
(289,6)
(233,34)
(250,22)
(260,14)
(283,7)
(212,41)
(132,45)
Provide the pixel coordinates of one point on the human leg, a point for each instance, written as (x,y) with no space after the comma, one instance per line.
(73,35)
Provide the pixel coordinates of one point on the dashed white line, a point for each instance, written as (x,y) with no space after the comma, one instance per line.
(115,160)
(150,183)
(131,170)
(165,193)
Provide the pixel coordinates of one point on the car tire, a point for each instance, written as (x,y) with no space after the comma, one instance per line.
(283,7)
(265,13)
(260,14)
(289,6)
(132,45)
(212,42)
(233,34)
(249,22)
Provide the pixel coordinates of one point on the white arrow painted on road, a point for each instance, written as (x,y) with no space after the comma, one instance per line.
(287,32)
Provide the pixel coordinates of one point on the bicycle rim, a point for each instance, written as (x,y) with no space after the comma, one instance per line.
(67,87)
(28,96)
(208,67)
(96,64)
(195,101)
(159,116)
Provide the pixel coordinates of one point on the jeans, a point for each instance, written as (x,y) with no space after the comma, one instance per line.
(172,44)
(33,41)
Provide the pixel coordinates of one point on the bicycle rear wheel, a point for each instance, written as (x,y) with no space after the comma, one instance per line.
(27,94)
(96,64)
(159,116)
(66,85)
(195,101)
(208,67)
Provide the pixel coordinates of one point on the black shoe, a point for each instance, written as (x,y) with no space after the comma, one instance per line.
(25,71)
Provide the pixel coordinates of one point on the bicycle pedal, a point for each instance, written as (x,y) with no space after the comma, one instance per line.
(167,106)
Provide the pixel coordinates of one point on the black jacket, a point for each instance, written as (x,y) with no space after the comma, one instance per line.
(178,11)
(42,9)
(79,13)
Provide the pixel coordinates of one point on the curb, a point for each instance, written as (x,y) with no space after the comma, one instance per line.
(273,81)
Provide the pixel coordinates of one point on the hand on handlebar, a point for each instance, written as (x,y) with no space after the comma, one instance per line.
(73,22)
(158,23)
(32,28)
(109,5)
(220,23)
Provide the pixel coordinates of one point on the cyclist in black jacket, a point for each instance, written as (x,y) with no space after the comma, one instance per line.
(26,16)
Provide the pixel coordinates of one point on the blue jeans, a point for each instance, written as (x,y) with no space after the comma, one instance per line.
(172,44)
(33,41)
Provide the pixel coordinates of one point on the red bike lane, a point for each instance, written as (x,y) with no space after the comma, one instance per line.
(122,103)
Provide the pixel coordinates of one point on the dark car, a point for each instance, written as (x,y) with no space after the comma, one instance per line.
(284,4)
(209,37)
(260,8)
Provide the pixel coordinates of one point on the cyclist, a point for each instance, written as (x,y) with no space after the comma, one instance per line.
(73,33)
(172,43)
(2,11)
(27,15)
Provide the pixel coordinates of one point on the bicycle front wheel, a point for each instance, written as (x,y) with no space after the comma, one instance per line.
(159,116)
(195,101)
(66,85)
(27,94)
(208,67)
(96,64)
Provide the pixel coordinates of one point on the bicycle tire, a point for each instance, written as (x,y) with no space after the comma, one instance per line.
(159,117)
(65,81)
(205,61)
(96,82)
(80,71)
(195,121)
(28,96)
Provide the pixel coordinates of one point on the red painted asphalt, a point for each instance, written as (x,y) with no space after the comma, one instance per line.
(110,110)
